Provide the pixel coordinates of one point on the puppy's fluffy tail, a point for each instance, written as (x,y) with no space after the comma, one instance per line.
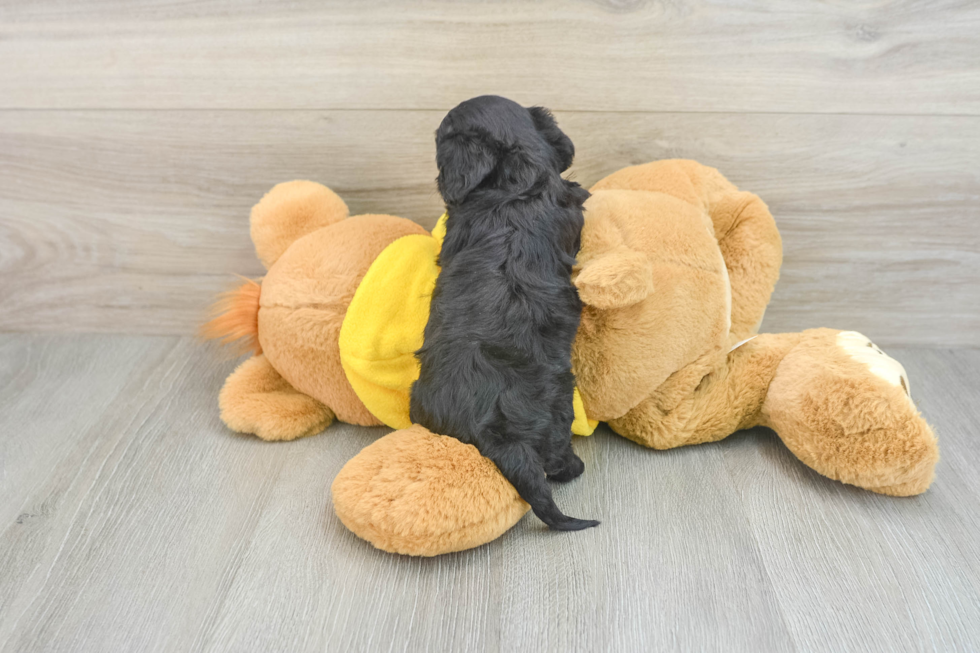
(519,465)
(235,318)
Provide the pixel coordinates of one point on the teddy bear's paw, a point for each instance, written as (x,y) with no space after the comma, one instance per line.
(417,493)
(859,347)
(619,278)
(256,399)
(843,407)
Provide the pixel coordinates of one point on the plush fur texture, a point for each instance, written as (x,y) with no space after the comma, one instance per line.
(417,493)
(847,423)
(316,257)
(658,381)
(739,222)
(305,296)
(496,367)
(255,399)
(649,265)
(721,392)
(288,212)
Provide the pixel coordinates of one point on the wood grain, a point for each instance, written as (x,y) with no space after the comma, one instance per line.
(128,533)
(134,137)
(893,57)
(131,519)
(904,572)
(131,221)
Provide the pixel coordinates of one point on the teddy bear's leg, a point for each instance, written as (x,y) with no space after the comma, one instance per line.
(255,399)
(845,409)
(838,403)
(709,399)
(417,493)
(288,212)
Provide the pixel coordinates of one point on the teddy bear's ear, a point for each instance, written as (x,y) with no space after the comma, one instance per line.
(618,278)
(290,211)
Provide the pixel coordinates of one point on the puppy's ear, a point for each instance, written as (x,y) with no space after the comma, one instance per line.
(562,144)
(464,160)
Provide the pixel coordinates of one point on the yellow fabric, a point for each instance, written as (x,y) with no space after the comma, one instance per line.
(384,326)
(582,424)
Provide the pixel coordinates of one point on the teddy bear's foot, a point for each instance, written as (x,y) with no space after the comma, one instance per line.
(844,408)
(417,493)
(255,399)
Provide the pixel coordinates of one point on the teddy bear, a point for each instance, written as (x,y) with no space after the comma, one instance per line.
(675,271)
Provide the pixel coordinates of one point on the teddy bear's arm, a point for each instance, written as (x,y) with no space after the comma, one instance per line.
(617,278)
(256,399)
(753,253)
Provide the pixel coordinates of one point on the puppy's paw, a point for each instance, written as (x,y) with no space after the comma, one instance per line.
(572,469)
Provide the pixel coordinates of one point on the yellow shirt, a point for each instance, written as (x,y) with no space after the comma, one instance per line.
(384,327)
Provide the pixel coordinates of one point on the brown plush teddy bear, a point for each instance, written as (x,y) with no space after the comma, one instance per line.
(675,271)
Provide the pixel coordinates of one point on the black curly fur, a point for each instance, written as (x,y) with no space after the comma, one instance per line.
(496,363)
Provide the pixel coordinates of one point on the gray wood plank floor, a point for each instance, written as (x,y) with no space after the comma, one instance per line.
(131,519)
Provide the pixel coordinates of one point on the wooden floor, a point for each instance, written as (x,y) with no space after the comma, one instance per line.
(134,521)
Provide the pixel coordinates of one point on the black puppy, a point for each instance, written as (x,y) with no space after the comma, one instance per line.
(496,362)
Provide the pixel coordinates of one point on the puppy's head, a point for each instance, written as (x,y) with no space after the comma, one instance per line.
(493,142)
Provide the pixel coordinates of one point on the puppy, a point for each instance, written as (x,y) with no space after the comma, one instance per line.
(496,366)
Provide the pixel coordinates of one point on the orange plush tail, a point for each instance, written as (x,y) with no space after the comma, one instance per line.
(235,318)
